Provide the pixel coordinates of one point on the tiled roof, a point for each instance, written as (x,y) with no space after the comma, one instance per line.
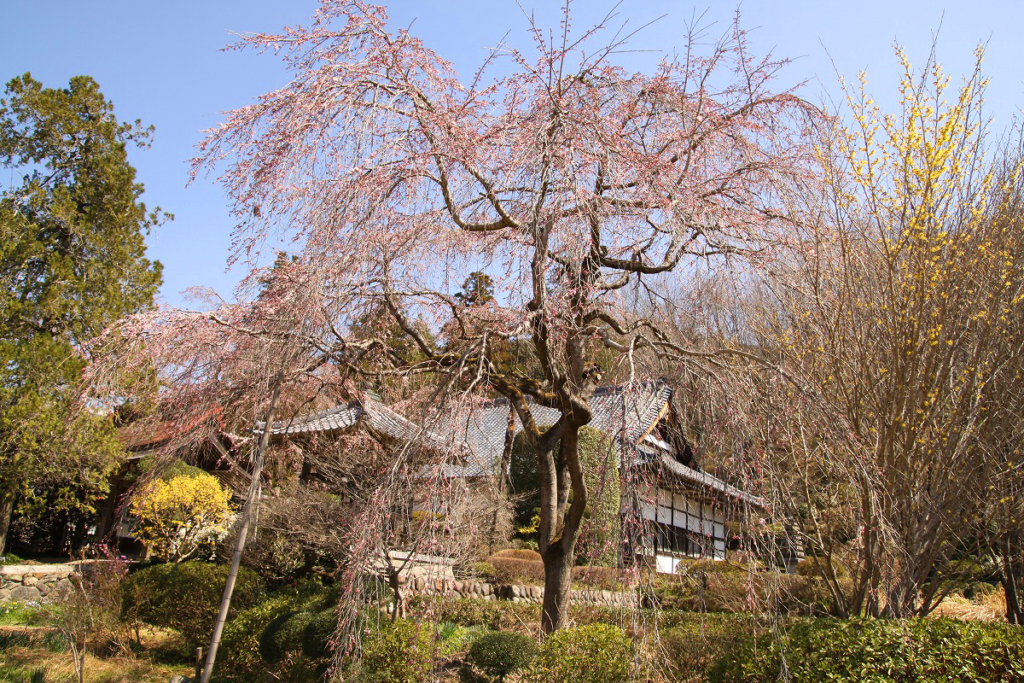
(624,412)
(628,412)
(373,414)
(672,469)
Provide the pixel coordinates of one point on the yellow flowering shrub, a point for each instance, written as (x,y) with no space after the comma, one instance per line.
(896,325)
(181,516)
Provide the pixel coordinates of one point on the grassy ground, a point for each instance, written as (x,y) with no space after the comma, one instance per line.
(40,655)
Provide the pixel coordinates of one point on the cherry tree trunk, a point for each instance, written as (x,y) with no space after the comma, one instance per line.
(557,587)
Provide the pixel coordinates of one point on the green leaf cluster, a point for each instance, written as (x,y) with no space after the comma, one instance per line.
(72,261)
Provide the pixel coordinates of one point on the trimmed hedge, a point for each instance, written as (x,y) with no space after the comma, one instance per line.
(517,554)
(880,651)
(186,597)
(239,656)
(597,653)
(268,641)
(516,570)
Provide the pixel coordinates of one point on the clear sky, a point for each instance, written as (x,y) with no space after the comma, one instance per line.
(160,61)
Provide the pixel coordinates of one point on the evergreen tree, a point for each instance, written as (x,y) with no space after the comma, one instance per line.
(72,260)
(476,289)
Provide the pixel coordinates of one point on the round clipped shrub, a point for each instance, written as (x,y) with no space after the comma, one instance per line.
(239,656)
(598,653)
(500,653)
(316,638)
(284,634)
(186,597)
(401,652)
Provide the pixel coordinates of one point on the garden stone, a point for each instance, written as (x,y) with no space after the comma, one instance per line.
(25,594)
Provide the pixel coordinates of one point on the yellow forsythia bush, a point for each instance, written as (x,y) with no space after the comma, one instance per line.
(182,516)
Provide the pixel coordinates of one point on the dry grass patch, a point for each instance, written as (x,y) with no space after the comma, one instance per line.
(20,661)
(991,607)
(25,650)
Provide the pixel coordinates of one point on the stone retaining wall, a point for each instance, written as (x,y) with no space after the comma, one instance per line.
(33,582)
(516,593)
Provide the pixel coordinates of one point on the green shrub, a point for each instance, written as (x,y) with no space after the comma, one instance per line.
(283,635)
(882,651)
(500,653)
(598,653)
(819,567)
(979,590)
(316,638)
(697,641)
(240,651)
(307,630)
(401,652)
(239,655)
(186,597)
(10,558)
(498,615)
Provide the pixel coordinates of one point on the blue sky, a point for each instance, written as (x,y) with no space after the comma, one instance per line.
(161,62)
